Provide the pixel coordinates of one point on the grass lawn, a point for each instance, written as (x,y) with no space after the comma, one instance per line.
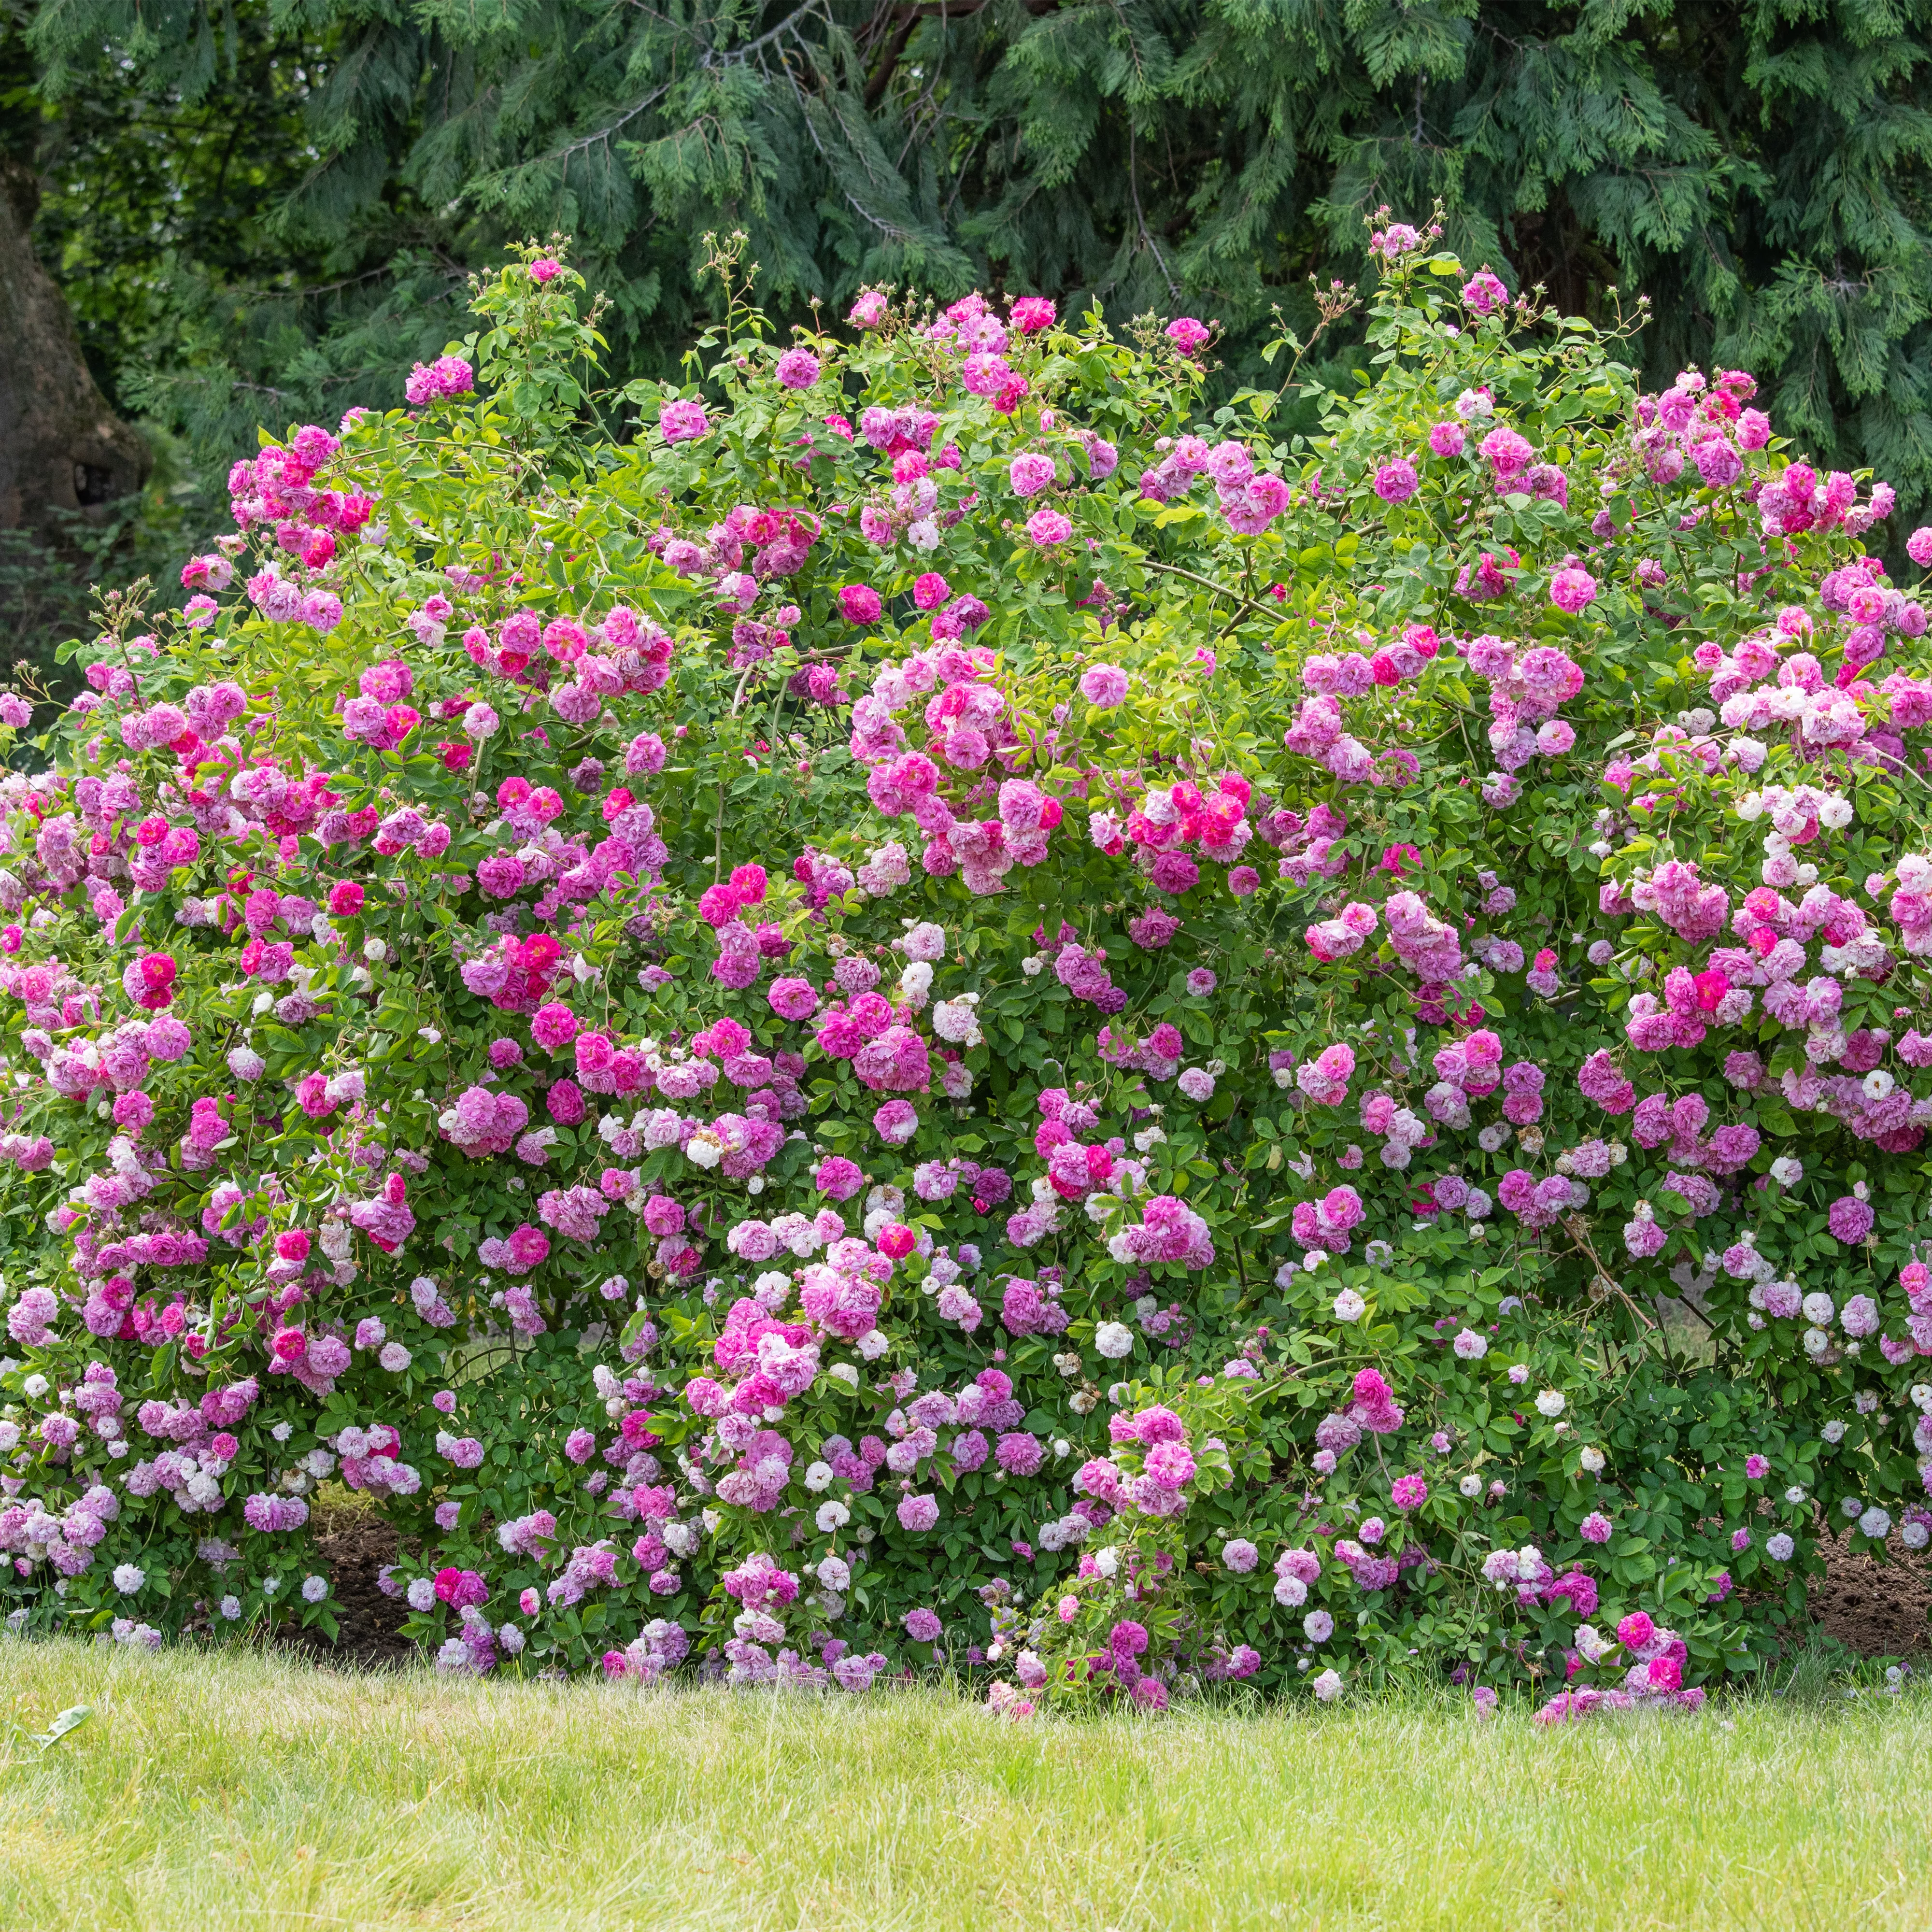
(213,1793)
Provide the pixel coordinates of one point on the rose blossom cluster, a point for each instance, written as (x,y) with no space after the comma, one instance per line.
(545,1062)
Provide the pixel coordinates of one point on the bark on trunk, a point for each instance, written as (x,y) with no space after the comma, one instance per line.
(61,447)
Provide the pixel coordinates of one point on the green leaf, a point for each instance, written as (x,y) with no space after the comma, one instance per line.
(69,1720)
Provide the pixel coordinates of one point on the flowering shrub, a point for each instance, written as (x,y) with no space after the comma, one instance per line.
(922,1012)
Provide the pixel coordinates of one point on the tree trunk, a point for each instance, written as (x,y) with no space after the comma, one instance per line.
(61,446)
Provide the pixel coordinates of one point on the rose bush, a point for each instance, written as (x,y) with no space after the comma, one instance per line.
(924,1006)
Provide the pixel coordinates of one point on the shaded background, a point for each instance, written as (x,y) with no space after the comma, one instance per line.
(263,213)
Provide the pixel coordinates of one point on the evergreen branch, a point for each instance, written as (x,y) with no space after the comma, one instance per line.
(601,138)
(1140,216)
(712,59)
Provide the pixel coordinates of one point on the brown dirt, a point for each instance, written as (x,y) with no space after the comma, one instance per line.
(356,1545)
(1876,1610)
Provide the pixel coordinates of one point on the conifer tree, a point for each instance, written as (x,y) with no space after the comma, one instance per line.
(1759,171)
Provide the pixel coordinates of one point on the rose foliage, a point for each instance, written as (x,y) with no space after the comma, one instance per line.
(927,1010)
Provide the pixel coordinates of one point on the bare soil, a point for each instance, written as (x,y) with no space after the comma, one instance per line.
(356,1546)
(1878,1610)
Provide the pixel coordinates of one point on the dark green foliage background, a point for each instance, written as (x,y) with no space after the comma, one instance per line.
(260,209)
